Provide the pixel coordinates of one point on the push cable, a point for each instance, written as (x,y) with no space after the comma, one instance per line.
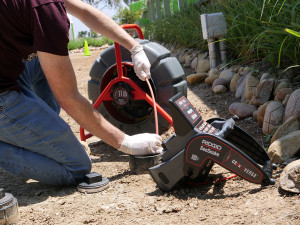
(154,106)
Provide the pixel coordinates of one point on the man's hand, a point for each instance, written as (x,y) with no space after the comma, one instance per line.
(140,62)
(141,144)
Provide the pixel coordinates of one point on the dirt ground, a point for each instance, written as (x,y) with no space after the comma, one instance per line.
(135,199)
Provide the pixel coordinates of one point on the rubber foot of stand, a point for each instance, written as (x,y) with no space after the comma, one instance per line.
(9,213)
(87,187)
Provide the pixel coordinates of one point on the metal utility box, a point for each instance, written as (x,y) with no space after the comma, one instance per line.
(213,25)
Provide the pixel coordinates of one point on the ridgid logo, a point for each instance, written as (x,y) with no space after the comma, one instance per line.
(212,145)
(210,148)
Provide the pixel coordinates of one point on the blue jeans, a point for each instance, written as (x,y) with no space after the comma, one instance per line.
(34,141)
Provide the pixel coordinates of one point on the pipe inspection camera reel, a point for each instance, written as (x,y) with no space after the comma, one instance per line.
(197,144)
(190,154)
(123,99)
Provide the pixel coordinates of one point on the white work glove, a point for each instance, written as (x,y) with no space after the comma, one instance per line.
(141,144)
(140,62)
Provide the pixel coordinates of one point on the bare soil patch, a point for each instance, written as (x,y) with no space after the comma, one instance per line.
(135,199)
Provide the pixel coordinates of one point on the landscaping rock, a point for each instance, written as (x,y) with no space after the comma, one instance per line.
(243,98)
(286,80)
(246,70)
(188,61)
(242,110)
(263,92)
(261,113)
(227,74)
(220,81)
(179,57)
(187,64)
(281,93)
(240,80)
(241,69)
(273,117)
(190,51)
(286,99)
(285,147)
(290,177)
(254,115)
(289,126)
(293,105)
(281,85)
(236,68)
(202,56)
(266,76)
(210,79)
(213,72)
(183,58)
(203,66)
(251,84)
(196,78)
(183,51)
(233,82)
(241,83)
(172,48)
(194,63)
(219,89)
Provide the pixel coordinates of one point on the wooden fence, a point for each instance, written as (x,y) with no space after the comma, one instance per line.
(157,9)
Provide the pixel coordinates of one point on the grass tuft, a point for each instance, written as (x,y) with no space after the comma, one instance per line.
(257,30)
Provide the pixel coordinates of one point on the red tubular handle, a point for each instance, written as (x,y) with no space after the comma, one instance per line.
(134,26)
(117,46)
(139,93)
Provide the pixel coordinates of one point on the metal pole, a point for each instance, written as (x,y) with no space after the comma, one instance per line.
(212,52)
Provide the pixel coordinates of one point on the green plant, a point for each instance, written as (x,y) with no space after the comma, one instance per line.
(182,29)
(79,43)
(94,34)
(82,34)
(255,30)
(126,16)
(295,33)
(268,137)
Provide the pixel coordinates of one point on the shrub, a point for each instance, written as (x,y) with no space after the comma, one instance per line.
(126,16)
(79,43)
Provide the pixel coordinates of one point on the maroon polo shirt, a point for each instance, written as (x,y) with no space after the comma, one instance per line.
(28,26)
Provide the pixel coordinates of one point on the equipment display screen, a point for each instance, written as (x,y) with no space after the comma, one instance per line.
(188,110)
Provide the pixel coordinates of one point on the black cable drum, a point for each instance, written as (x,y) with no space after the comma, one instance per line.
(137,116)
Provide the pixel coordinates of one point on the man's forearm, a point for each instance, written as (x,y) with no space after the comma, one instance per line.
(90,119)
(62,80)
(99,22)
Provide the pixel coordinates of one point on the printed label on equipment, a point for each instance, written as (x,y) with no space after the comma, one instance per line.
(120,96)
(206,147)
(188,110)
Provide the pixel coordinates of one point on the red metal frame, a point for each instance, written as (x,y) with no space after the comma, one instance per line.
(138,93)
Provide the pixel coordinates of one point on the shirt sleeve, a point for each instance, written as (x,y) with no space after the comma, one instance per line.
(51,28)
